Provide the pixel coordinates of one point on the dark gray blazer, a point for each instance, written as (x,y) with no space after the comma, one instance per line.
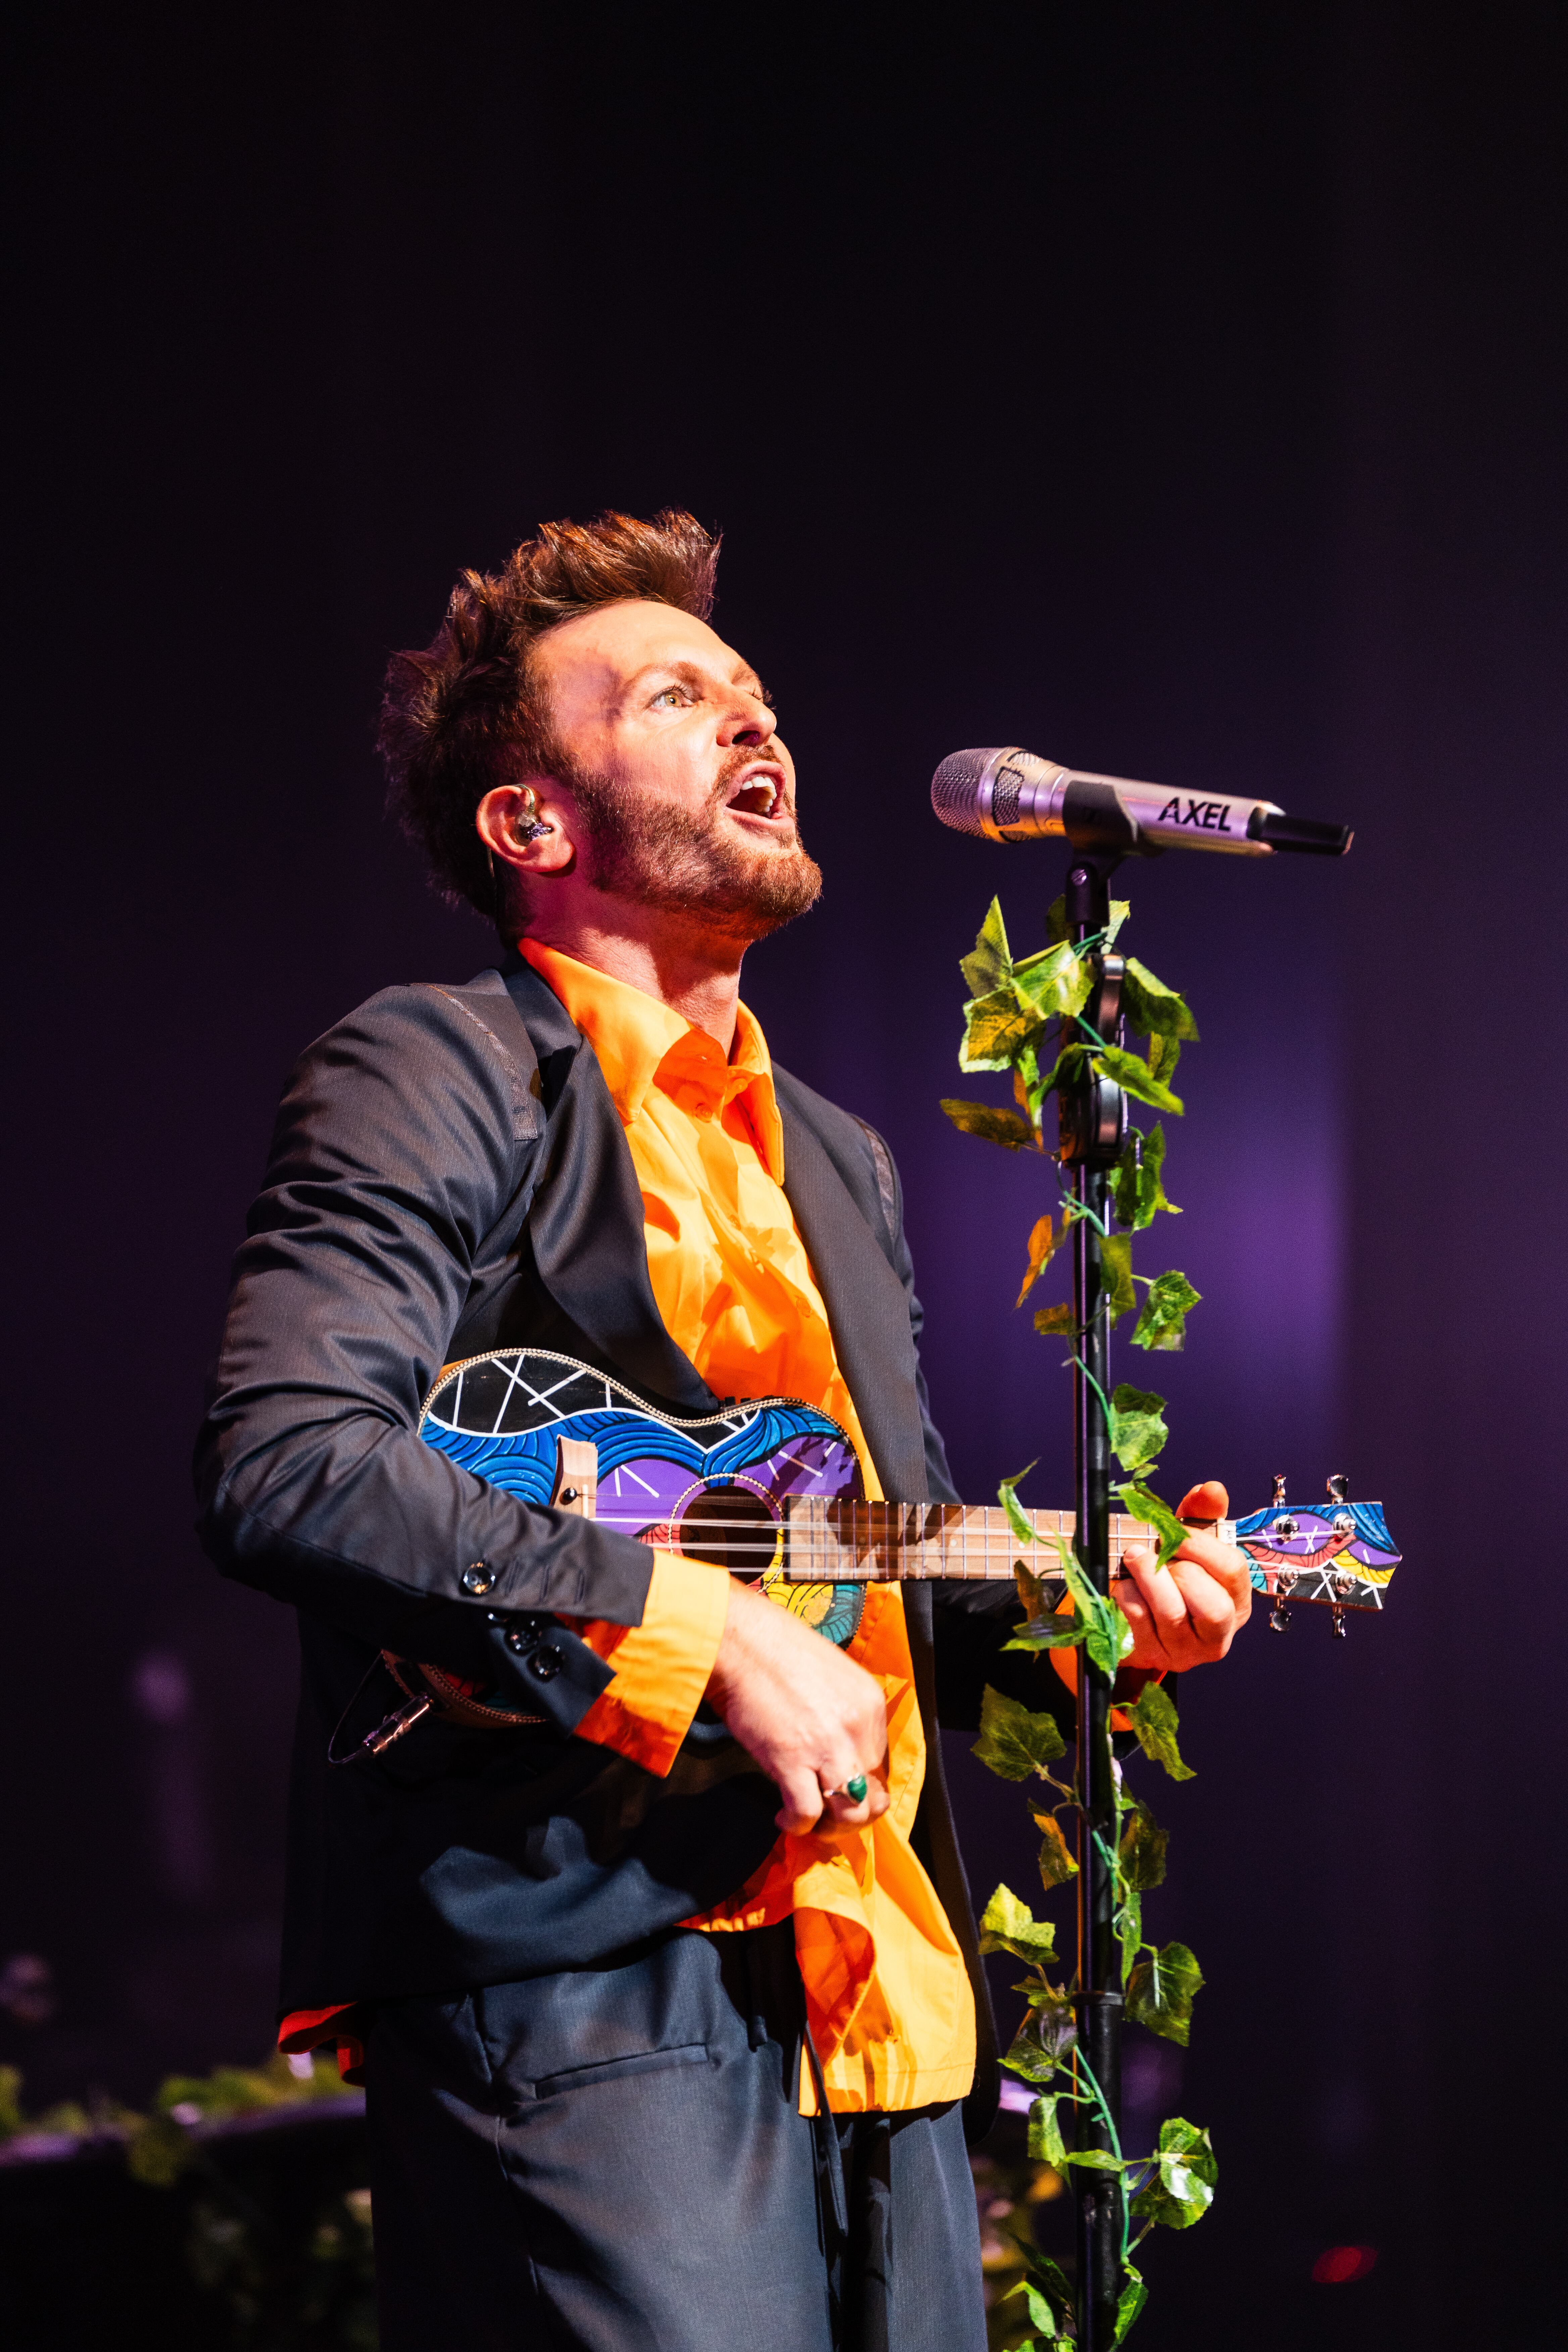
(448,1174)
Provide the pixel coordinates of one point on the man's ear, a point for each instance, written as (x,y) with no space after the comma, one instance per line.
(529,827)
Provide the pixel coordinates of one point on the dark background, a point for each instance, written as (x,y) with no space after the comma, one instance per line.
(1177,391)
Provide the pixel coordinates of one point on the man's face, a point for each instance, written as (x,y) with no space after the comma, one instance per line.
(667,743)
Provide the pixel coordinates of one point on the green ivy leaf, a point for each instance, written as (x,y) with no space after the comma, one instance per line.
(1137,1078)
(1155,1725)
(1018,1519)
(1064,1068)
(1046,2143)
(1009,1925)
(1152,1009)
(1130,2303)
(1057,919)
(991,1124)
(1128,1927)
(1141,1851)
(1031,1595)
(1056,2011)
(1161,1992)
(1163,1322)
(1040,2312)
(1180,2189)
(1055,983)
(1050,1632)
(1188,2164)
(1139,1502)
(1164,1052)
(1125,1190)
(1107,1637)
(157,2151)
(1052,1322)
(1151,1175)
(1030,2059)
(989,964)
(1013,1742)
(1137,1429)
(1044,1629)
(1137,1186)
(1043,2286)
(1116,1274)
(1057,1865)
(1047,2034)
(1098,2159)
(996,1027)
(1029,1089)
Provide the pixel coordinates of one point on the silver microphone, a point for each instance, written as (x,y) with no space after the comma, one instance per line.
(1009,794)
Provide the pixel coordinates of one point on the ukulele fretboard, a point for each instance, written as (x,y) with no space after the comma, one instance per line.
(842,1541)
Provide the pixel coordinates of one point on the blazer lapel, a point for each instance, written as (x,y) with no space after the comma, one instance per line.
(868,1311)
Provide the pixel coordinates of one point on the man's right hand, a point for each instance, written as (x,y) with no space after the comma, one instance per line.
(810,1716)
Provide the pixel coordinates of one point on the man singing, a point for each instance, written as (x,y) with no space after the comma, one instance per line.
(667,1998)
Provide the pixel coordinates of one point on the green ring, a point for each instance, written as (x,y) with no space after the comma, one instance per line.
(855,1790)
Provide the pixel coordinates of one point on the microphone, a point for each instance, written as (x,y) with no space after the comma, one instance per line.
(1009,794)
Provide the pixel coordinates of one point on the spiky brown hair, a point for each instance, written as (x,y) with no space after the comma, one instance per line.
(468,713)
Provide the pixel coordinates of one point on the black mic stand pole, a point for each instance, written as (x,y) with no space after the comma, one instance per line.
(1093,1122)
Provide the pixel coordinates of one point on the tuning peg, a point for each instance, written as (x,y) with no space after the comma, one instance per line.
(1340,1486)
(1338,1624)
(1278,1495)
(1280,1618)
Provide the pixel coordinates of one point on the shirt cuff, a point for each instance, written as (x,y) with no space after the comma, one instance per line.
(662,1666)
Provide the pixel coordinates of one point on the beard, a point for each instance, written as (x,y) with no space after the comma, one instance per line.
(687,864)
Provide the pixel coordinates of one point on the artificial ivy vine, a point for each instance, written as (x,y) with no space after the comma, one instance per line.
(1015,1020)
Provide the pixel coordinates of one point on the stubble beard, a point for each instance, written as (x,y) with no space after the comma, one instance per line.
(690,866)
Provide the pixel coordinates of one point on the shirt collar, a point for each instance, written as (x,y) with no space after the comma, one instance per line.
(641,1043)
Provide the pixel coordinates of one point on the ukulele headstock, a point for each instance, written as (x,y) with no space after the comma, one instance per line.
(1338,1554)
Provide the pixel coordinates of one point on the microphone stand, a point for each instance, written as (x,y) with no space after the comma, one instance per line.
(1093,1116)
(983,793)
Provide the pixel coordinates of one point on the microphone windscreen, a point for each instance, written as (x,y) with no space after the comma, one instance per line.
(955,789)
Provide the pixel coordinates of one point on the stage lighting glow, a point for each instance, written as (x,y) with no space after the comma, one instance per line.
(1342,2264)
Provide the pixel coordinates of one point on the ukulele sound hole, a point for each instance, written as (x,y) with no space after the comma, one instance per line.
(729,1528)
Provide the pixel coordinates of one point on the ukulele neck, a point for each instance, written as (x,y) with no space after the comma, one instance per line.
(846,1542)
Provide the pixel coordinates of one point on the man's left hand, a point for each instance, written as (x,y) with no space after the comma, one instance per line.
(1187,1613)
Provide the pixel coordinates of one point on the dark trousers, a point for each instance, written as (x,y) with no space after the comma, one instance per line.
(612,2159)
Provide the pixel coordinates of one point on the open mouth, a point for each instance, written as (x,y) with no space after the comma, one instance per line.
(758,791)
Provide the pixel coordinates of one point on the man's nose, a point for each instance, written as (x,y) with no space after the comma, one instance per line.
(747,721)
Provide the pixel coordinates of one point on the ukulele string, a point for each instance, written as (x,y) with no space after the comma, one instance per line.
(808,1550)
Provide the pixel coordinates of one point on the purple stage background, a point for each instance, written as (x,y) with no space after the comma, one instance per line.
(1177,393)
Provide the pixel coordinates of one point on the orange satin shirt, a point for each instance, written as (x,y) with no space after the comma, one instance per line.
(887,1997)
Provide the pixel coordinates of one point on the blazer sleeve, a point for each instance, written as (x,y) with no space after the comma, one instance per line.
(970,1623)
(403,1139)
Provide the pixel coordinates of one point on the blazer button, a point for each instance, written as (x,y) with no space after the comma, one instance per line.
(479,1580)
(547,1662)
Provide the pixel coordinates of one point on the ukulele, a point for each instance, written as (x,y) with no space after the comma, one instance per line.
(771,1490)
